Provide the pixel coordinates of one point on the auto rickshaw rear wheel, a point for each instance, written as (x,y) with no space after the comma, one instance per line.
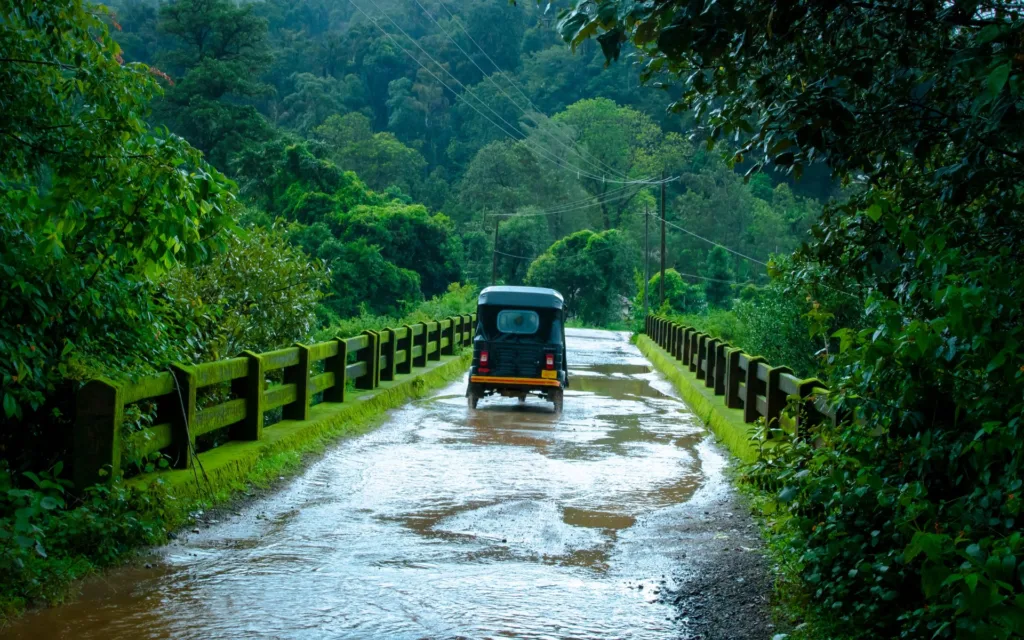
(556,398)
(472,399)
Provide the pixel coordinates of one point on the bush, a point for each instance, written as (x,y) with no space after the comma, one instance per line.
(259,294)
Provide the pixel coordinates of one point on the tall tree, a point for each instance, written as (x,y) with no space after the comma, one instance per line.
(220,51)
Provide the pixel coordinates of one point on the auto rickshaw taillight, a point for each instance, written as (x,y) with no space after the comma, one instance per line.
(483,357)
(549,362)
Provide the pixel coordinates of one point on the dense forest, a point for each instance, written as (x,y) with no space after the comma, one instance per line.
(186,179)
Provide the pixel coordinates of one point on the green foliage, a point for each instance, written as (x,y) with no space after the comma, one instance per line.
(681,297)
(459,299)
(45,543)
(592,270)
(378,158)
(259,294)
(93,205)
(718,287)
(907,515)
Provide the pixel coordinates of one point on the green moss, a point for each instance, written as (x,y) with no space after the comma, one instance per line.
(724,422)
(233,466)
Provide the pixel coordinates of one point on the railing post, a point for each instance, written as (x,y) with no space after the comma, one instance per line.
(251,388)
(421,360)
(721,367)
(388,350)
(447,333)
(680,336)
(468,331)
(750,413)
(183,442)
(299,376)
(370,356)
(732,379)
(337,364)
(808,414)
(99,413)
(436,355)
(694,352)
(774,397)
(405,345)
(711,349)
(702,341)
(686,345)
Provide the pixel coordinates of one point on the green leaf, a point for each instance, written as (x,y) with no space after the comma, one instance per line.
(874,212)
(10,405)
(997,78)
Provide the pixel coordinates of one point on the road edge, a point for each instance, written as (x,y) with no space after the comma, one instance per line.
(727,424)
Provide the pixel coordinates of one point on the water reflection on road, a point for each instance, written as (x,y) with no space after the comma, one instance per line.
(509,521)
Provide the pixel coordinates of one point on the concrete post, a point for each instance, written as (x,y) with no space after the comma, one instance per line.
(370,356)
(733,375)
(750,413)
(99,413)
(405,345)
(711,349)
(183,401)
(337,364)
(775,398)
(721,367)
(299,376)
(388,350)
(251,388)
(421,342)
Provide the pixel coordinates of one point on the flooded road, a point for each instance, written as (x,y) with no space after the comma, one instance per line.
(506,522)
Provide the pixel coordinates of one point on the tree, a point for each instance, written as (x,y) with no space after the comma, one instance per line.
(918,102)
(259,294)
(221,52)
(94,205)
(680,296)
(592,270)
(522,238)
(718,287)
(411,238)
(377,158)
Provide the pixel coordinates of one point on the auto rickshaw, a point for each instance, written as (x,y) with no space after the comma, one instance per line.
(519,345)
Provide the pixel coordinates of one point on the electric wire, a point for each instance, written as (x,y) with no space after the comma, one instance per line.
(699,237)
(599,167)
(540,151)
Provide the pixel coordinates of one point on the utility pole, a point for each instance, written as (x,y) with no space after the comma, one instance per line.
(647,254)
(494,254)
(662,283)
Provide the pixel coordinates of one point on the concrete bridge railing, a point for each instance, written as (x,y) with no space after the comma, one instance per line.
(325,368)
(747,382)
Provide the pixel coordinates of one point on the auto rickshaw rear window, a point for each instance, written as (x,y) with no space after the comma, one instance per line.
(519,321)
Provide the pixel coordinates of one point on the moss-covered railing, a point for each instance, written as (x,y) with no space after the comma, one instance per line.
(747,382)
(305,371)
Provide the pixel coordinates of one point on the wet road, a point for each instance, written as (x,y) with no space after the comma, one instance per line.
(444,523)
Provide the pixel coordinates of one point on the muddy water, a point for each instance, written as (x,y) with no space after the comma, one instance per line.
(506,522)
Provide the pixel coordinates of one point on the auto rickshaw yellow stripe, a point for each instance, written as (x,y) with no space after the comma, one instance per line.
(541,382)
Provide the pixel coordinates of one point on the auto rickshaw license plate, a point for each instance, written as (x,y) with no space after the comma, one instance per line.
(549,374)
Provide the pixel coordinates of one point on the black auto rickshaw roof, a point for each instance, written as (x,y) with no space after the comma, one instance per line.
(534,297)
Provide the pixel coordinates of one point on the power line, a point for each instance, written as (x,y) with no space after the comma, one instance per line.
(524,139)
(469,91)
(699,237)
(566,209)
(554,137)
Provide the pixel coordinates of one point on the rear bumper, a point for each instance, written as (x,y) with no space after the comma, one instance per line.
(502,381)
